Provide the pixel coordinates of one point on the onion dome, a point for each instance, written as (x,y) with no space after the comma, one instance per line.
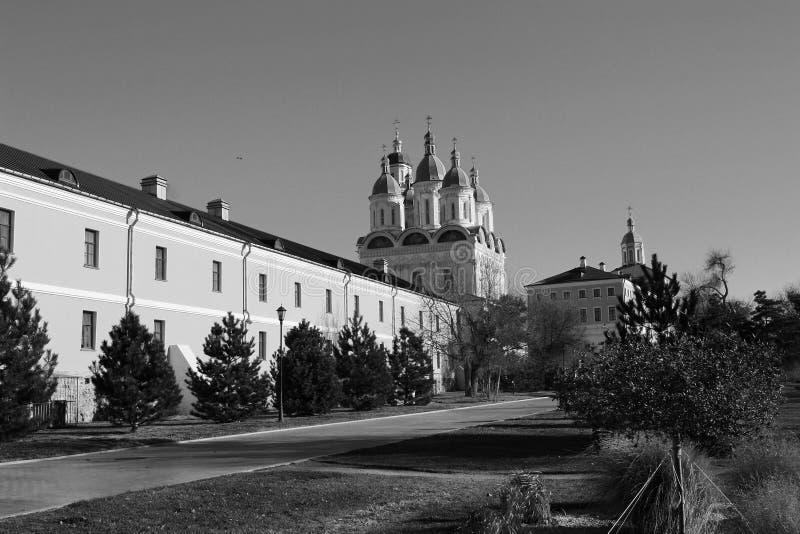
(431,167)
(398,156)
(632,236)
(456,175)
(480,193)
(386,184)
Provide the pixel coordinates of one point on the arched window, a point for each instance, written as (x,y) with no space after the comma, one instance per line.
(383,221)
(639,255)
(453,210)
(427,211)
(392,216)
(373,217)
(466,209)
(380,242)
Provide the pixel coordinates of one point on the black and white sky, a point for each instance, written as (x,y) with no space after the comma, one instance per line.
(686,110)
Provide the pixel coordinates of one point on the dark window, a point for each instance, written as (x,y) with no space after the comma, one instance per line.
(91,238)
(402,315)
(356,305)
(421,323)
(88,329)
(610,291)
(216,276)
(583,315)
(582,294)
(298,295)
(598,315)
(262,287)
(427,211)
(262,345)
(328,301)
(380,310)
(567,295)
(161,263)
(597,292)
(553,295)
(612,313)
(392,216)
(158,331)
(6,230)
(383,221)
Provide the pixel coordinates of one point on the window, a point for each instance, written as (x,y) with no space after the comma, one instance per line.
(380,310)
(438,329)
(262,287)
(402,315)
(610,292)
(598,315)
(90,248)
(582,294)
(393,217)
(639,255)
(567,295)
(597,293)
(87,330)
(421,323)
(262,345)
(6,230)
(553,295)
(383,220)
(328,301)
(298,295)
(453,210)
(583,315)
(612,313)
(158,331)
(216,276)
(356,305)
(161,263)
(466,209)
(427,211)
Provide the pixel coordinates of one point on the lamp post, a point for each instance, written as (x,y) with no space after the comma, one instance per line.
(281,314)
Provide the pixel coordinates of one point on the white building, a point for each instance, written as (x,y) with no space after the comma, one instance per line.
(436,227)
(90,248)
(592,292)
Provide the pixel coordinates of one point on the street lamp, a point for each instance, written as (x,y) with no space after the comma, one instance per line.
(281,314)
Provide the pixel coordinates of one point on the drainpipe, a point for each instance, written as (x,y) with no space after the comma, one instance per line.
(347,277)
(394,294)
(246,249)
(130,299)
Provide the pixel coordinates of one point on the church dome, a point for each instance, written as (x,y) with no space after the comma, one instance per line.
(386,183)
(431,168)
(456,175)
(481,195)
(397,158)
(632,236)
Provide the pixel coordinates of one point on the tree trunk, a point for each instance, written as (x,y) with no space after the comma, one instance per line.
(676,459)
(469,390)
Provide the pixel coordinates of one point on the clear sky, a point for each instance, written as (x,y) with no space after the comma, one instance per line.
(687,110)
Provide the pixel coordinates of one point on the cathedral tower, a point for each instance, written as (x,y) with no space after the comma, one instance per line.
(632,244)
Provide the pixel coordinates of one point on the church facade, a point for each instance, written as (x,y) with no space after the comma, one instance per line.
(90,248)
(433,226)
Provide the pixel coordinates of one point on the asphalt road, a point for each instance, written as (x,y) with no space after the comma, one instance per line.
(38,485)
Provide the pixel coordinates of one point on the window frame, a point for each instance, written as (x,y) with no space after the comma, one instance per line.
(262,287)
(298,295)
(581,293)
(262,344)
(583,316)
(612,313)
(566,295)
(611,291)
(597,292)
(356,305)
(92,315)
(162,264)
(162,335)
(598,314)
(328,301)
(216,276)
(95,254)
(402,315)
(380,311)
(10,238)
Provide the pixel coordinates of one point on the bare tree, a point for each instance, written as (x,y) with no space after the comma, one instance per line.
(718,267)
(553,327)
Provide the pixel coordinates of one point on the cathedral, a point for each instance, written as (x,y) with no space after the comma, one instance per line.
(433,227)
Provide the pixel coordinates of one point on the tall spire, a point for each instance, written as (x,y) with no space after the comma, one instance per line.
(430,139)
(384,162)
(398,144)
(455,155)
(631,222)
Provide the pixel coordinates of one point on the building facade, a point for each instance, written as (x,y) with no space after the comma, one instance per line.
(90,249)
(433,227)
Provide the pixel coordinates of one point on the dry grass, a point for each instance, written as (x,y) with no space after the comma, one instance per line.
(773,506)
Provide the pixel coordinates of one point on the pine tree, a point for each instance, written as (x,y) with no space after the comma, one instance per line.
(26,367)
(134,384)
(657,312)
(361,366)
(310,384)
(228,384)
(411,368)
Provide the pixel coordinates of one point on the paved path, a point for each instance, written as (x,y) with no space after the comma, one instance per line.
(43,484)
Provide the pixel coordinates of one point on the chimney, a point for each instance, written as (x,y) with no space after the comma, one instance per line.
(219,208)
(603,266)
(155,185)
(583,262)
(381,265)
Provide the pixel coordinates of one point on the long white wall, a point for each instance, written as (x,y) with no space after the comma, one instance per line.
(49,225)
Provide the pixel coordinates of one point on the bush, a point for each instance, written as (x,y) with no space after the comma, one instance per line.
(310,384)
(134,383)
(758,460)
(773,506)
(228,384)
(656,512)
(524,500)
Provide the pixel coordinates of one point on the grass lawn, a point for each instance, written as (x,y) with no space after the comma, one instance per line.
(92,437)
(422,485)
